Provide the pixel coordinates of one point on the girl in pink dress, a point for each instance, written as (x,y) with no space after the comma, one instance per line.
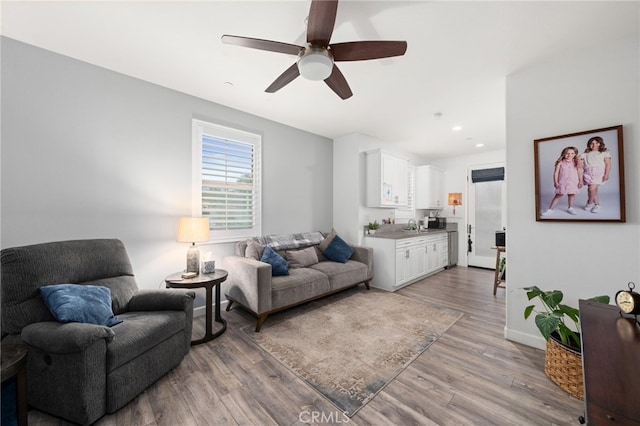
(567,178)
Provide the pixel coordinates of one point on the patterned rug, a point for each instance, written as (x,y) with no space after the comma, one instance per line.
(349,346)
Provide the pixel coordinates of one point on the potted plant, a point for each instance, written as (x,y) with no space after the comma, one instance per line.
(563,357)
(372,227)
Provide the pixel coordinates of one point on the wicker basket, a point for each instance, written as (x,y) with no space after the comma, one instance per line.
(563,366)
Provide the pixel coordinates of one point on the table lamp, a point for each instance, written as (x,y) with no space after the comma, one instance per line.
(193,230)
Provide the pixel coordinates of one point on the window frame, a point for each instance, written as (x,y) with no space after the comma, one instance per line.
(201,128)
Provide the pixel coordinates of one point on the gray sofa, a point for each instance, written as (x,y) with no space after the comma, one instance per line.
(252,285)
(81,371)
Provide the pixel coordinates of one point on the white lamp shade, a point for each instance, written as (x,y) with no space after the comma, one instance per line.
(315,66)
(193,230)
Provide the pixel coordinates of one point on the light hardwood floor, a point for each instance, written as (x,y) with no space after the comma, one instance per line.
(470,376)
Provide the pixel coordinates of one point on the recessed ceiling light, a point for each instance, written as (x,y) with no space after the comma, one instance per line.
(437,115)
(456,128)
(479,145)
(228,84)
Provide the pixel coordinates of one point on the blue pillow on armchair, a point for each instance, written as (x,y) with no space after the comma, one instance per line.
(279,265)
(80,303)
(338,250)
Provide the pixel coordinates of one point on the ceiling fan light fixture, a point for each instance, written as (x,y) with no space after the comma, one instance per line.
(315,64)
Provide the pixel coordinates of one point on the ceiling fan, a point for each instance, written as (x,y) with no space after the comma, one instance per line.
(316,59)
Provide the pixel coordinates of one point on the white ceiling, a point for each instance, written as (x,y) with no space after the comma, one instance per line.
(458,56)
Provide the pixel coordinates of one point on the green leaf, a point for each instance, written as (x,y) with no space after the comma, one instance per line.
(533,292)
(601,299)
(547,323)
(576,341)
(552,298)
(528,310)
(572,313)
(566,334)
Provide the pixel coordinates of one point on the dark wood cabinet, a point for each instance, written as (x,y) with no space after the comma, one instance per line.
(611,365)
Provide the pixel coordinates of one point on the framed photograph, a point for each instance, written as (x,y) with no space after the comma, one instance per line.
(580,177)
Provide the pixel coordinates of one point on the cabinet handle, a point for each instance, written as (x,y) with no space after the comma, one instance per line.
(406,254)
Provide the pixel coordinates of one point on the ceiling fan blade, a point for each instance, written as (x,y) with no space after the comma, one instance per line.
(322,18)
(256,43)
(285,78)
(364,50)
(338,83)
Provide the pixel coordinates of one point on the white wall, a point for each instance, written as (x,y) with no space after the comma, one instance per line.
(90,153)
(347,181)
(580,91)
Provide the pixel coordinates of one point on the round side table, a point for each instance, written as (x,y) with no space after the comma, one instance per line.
(207,281)
(14,363)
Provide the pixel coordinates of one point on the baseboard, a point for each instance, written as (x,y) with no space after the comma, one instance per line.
(532,340)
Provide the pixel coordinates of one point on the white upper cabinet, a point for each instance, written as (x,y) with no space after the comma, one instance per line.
(387,177)
(429,188)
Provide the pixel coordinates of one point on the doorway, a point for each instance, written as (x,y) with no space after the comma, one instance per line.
(486,212)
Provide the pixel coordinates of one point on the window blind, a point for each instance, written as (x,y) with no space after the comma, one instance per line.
(409,212)
(487,175)
(227,183)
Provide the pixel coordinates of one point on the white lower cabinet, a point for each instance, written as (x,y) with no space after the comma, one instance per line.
(437,252)
(400,262)
(410,259)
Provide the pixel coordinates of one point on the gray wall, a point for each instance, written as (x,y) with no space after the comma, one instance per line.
(90,153)
(579,91)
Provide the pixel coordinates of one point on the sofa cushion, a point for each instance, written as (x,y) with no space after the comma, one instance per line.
(279,266)
(79,303)
(338,250)
(342,274)
(122,290)
(321,257)
(254,250)
(327,240)
(301,284)
(302,258)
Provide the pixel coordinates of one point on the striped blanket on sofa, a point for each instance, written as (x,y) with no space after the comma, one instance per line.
(291,241)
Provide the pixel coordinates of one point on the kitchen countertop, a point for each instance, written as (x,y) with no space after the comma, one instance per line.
(398,235)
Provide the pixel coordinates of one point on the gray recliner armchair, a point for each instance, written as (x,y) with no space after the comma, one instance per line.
(81,371)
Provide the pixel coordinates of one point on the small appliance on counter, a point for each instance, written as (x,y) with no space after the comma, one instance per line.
(436,222)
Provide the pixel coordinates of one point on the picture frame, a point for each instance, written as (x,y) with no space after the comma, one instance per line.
(584,182)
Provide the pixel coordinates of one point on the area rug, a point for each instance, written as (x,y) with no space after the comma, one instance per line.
(350,346)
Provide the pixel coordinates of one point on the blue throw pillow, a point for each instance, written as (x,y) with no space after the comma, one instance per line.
(338,250)
(80,303)
(279,266)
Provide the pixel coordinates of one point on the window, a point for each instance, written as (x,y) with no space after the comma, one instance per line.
(226,180)
(409,212)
